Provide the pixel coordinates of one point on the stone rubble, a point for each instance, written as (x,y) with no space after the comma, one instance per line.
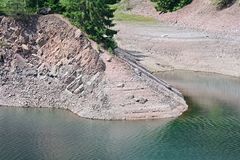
(49,63)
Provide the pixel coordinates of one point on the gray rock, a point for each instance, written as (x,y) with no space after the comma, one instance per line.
(109,59)
(75,85)
(22,39)
(43,69)
(165,35)
(41,41)
(137,71)
(121,85)
(142,100)
(53,71)
(25,47)
(80,89)
(93,79)
(131,97)
(78,34)
(30,72)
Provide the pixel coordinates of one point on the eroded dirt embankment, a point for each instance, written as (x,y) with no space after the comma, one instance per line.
(46,62)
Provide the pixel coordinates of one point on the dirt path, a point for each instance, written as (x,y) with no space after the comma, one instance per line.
(161,47)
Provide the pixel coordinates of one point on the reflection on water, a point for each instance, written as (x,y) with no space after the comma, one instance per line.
(55,134)
(205,88)
(209,130)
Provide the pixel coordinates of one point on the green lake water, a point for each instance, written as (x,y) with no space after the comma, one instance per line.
(209,130)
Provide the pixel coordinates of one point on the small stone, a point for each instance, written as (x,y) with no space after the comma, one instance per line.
(165,35)
(25,47)
(80,89)
(12,28)
(131,97)
(137,71)
(22,39)
(30,72)
(41,41)
(11,95)
(78,34)
(121,85)
(142,100)
(109,59)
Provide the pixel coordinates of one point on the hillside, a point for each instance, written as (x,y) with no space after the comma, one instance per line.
(203,14)
(200,14)
(183,44)
(47,62)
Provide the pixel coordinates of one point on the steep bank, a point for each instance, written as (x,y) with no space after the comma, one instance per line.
(46,62)
(200,14)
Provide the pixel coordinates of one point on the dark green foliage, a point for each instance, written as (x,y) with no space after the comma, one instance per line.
(54,5)
(94,17)
(223,3)
(170,5)
(13,6)
(2,13)
(34,5)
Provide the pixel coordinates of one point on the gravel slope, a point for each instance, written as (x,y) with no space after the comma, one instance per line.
(162,46)
(200,15)
(41,66)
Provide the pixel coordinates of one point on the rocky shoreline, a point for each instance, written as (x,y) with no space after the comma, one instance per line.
(46,62)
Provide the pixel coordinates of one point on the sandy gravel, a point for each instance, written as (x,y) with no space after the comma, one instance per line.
(200,15)
(133,98)
(162,47)
(48,68)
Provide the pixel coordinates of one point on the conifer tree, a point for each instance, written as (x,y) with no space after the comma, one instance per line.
(94,17)
(15,6)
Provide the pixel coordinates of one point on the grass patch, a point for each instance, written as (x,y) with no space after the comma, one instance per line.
(123,5)
(122,13)
(127,17)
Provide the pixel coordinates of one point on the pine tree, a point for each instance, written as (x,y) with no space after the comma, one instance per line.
(94,17)
(16,6)
(170,5)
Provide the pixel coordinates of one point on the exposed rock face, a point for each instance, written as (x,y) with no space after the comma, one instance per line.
(48,63)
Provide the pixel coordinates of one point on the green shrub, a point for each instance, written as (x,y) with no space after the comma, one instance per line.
(94,17)
(220,4)
(170,5)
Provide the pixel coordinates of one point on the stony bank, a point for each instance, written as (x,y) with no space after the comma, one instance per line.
(46,62)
